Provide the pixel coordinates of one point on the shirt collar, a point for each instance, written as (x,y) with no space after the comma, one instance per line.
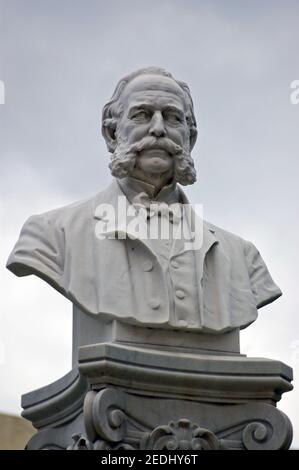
(133,186)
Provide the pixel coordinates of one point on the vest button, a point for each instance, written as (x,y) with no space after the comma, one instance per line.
(174,264)
(148,266)
(180,294)
(154,304)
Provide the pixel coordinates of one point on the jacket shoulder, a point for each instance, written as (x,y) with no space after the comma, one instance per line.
(41,246)
(81,209)
(61,215)
(238,249)
(228,238)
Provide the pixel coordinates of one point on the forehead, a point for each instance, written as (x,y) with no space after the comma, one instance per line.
(154,89)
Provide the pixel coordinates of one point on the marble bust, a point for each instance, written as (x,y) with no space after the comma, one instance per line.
(150,130)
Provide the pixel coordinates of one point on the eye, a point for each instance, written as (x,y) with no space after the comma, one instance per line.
(141,115)
(173,118)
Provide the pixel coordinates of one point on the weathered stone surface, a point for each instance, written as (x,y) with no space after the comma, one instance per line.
(90,330)
(212,284)
(151,399)
(156,355)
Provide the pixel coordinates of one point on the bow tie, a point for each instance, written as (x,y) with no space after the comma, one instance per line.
(147,208)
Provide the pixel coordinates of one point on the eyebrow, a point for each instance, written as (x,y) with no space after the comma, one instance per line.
(149,107)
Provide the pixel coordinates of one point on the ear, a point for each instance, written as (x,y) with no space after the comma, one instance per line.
(108,132)
(193,137)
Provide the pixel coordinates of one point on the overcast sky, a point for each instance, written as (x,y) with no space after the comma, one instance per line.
(60,61)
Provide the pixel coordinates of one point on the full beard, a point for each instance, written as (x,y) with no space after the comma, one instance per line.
(124,159)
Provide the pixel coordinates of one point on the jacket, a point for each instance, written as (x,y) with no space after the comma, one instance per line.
(122,278)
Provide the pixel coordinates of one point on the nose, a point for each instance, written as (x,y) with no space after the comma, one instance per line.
(157,128)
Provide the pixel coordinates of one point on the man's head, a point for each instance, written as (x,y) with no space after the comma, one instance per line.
(150,128)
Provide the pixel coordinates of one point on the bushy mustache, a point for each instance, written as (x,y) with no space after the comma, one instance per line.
(124,158)
(150,142)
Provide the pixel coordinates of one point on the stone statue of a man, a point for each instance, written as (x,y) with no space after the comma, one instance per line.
(150,131)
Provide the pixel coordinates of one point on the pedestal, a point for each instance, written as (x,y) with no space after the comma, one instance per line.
(128,397)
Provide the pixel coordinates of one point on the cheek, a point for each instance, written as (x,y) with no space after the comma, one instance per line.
(132,133)
(178,135)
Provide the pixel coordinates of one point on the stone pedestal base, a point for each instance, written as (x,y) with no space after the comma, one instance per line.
(125,397)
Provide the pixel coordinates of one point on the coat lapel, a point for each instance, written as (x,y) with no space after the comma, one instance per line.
(118,217)
(205,236)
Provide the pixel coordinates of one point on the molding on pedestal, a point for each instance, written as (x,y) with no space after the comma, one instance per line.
(111,423)
(141,398)
(205,378)
(57,403)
